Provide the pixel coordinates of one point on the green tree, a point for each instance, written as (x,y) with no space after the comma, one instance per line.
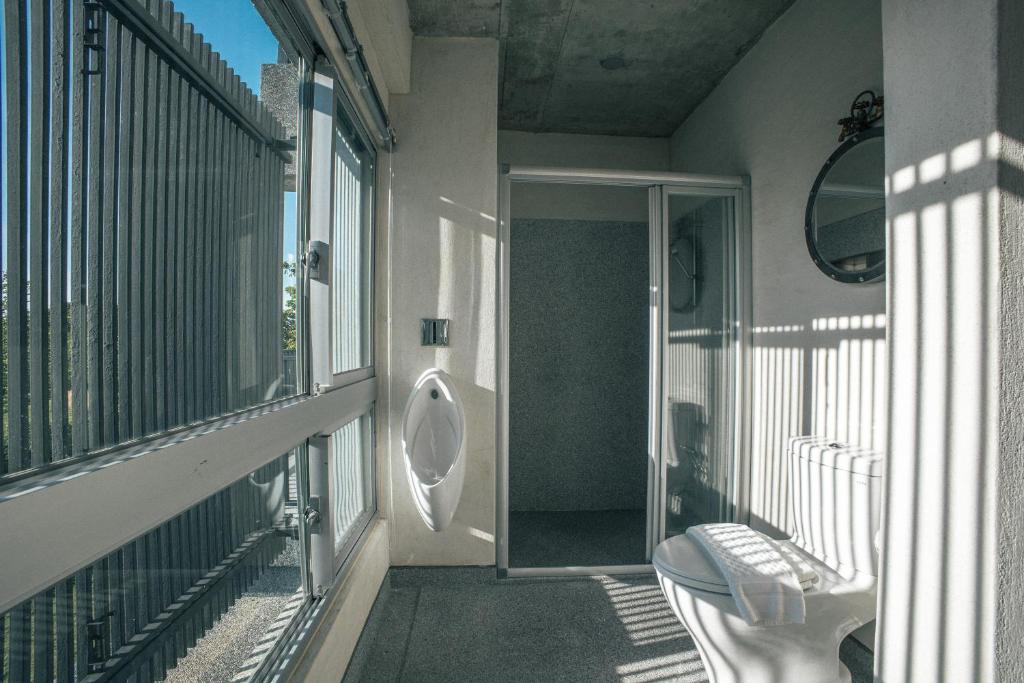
(290,304)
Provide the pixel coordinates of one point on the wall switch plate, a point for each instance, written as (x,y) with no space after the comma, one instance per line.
(434,332)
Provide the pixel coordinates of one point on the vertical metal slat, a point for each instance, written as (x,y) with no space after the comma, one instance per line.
(77,285)
(185,160)
(38,202)
(94,267)
(64,631)
(16,75)
(108,240)
(159,252)
(125,264)
(58,336)
(149,250)
(199,254)
(192,213)
(139,172)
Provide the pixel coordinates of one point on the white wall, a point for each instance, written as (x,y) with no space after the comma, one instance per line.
(442,265)
(576,202)
(952,597)
(818,357)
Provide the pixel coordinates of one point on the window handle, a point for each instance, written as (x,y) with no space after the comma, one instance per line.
(314,262)
(312,514)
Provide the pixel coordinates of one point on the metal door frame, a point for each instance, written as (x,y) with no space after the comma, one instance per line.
(660,186)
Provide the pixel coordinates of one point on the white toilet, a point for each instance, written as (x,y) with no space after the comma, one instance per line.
(836,493)
(433,446)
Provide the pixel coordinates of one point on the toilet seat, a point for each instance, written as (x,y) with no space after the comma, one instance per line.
(683,560)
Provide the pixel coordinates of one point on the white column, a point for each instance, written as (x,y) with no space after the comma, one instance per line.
(953,583)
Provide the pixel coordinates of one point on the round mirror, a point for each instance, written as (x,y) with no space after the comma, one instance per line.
(845,218)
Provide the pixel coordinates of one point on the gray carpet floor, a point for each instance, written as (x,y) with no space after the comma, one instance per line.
(454,625)
(588,538)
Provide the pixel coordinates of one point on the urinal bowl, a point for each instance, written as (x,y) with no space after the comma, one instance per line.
(433,448)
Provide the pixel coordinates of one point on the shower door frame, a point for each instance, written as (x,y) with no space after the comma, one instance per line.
(660,185)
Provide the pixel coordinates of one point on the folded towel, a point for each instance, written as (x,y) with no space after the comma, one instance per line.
(804,571)
(762,581)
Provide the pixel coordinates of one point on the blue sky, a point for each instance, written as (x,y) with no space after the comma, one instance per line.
(235,30)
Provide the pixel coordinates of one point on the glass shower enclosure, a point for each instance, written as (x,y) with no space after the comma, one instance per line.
(621,363)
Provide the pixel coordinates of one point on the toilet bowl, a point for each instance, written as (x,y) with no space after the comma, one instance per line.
(433,447)
(834,536)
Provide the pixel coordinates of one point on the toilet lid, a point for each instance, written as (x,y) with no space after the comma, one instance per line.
(685,563)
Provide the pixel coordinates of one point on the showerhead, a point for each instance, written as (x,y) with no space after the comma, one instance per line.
(683,294)
(683,254)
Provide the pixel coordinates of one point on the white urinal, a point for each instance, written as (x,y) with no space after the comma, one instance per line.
(433,443)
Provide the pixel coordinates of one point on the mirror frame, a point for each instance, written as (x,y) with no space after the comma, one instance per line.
(876,272)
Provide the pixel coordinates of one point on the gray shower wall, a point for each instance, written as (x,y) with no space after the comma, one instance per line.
(578,365)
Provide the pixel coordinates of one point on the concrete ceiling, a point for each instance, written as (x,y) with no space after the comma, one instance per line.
(615,67)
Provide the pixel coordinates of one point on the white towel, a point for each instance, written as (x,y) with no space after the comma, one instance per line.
(763,583)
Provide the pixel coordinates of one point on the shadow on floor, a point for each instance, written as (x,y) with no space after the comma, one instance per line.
(432,625)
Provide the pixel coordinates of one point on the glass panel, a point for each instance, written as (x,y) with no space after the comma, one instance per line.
(143,223)
(351,478)
(203,597)
(351,269)
(698,361)
(579,317)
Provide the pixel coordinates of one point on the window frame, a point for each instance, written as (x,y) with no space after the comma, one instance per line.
(348,124)
(331,108)
(362,521)
(176,463)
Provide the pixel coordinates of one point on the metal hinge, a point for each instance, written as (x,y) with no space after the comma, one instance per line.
(93,43)
(96,633)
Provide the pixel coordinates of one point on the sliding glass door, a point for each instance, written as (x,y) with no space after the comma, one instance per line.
(621,313)
(699,356)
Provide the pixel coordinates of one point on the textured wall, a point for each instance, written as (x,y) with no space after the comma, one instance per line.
(818,356)
(578,340)
(443,265)
(952,604)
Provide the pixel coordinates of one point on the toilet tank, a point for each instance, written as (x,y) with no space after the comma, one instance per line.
(836,493)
